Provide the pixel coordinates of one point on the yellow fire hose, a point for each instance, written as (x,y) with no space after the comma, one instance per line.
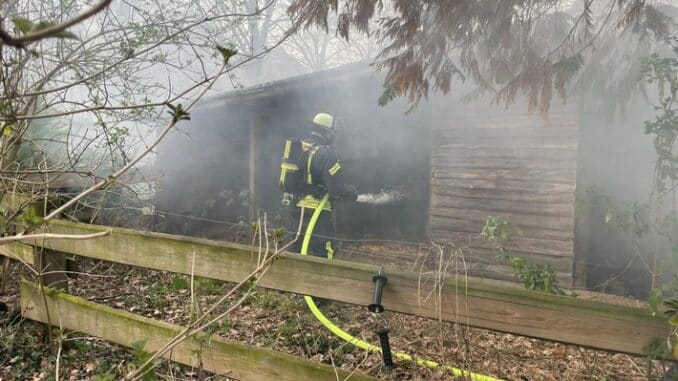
(360,343)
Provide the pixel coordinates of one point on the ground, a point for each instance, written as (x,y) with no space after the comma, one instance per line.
(283,322)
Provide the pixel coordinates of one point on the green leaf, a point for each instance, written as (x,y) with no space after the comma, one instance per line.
(63,34)
(42,25)
(656,349)
(655,300)
(226,53)
(23,24)
(8,130)
(31,218)
(66,35)
(671,307)
(387,96)
(178,113)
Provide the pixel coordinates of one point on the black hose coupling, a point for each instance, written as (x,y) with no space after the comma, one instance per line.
(386,349)
(379,283)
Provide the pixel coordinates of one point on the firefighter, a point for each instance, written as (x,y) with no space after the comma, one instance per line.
(310,169)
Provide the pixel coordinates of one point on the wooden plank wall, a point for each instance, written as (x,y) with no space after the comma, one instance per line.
(490,161)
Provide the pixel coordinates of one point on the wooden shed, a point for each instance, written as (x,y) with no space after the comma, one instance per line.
(505,162)
(456,163)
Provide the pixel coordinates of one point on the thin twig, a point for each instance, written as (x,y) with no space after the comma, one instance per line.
(169,37)
(46,236)
(192,284)
(334,366)
(258,232)
(79,273)
(138,158)
(58,357)
(20,42)
(198,325)
(266,240)
(99,298)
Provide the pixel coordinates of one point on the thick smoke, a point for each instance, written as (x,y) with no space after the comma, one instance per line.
(433,174)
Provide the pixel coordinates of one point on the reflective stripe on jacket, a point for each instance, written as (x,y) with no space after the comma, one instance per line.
(312,203)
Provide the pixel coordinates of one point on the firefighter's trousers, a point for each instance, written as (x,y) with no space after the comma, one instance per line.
(322,243)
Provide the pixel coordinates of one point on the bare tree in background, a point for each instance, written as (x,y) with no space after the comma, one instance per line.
(250,35)
(317,50)
(306,50)
(89,90)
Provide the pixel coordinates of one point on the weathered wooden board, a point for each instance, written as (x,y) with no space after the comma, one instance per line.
(20,252)
(498,206)
(480,112)
(452,224)
(492,133)
(516,163)
(531,153)
(563,176)
(453,139)
(466,191)
(505,185)
(545,248)
(562,223)
(492,161)
(217,355)
(16,201)
(478,253)
(487,304)
(503,272)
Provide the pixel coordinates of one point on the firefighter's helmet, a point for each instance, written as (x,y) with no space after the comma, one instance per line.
(324,125)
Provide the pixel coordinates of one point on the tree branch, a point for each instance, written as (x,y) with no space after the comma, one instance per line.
(20,42)
(134,161)
(108,67)
(75,237)
(204,320)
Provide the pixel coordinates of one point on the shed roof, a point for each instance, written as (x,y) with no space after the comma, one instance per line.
(276,88)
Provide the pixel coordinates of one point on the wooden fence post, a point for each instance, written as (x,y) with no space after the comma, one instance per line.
(51,265)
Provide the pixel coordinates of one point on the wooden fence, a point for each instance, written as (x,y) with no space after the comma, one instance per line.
(216,355)
(494,305)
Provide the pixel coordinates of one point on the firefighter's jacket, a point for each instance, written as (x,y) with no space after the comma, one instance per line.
(323,174)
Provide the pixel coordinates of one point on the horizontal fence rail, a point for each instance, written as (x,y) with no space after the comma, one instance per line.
(480,303)
(217,355)
(22,253)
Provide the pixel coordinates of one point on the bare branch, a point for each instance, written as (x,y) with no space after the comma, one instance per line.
(200,324)
(112,65)
(134,161)
(74,237)
(20,42)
